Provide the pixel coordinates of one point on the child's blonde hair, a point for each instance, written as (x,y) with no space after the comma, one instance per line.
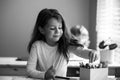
(81,34)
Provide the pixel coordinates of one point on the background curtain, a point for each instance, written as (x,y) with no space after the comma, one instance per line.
(108,24)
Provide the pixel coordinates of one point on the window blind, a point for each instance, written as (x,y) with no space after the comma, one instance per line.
(108,24)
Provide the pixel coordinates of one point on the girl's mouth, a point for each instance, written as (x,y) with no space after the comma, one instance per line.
(56,35)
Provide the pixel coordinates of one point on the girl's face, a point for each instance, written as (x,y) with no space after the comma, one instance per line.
(53,31)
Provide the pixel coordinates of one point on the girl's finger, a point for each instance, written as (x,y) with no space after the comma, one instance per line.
(90,57)
(51,67)
(53,78)
(94,57)
(97,56)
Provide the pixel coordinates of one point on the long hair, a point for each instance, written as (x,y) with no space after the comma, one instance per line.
(41,21)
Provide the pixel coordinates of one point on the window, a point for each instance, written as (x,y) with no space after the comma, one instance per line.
(108,24)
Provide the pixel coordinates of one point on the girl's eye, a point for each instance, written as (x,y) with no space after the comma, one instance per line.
(52,28)
(60,27)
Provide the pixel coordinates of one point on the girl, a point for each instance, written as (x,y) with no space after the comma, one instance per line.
(49,47)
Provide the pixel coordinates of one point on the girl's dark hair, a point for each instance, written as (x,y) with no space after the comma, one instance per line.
(42,20)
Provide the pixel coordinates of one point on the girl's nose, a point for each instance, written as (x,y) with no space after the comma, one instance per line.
(57,30)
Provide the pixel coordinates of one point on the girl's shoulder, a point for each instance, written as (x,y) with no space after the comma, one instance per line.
(38,43)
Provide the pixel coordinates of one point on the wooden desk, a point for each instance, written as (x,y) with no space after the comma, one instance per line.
(10,66)
(26,78)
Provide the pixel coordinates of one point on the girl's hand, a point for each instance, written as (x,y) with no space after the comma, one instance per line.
(93,56)
(50,74)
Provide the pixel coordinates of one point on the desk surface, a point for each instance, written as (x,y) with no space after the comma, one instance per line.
(11,61)
(14,62)
(26,78)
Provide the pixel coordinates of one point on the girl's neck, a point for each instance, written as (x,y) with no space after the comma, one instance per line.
(51,43)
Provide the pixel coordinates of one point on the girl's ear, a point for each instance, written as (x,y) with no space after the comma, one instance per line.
(41,30)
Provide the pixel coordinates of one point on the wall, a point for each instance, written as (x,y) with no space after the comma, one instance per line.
(17,19)
(92,23)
